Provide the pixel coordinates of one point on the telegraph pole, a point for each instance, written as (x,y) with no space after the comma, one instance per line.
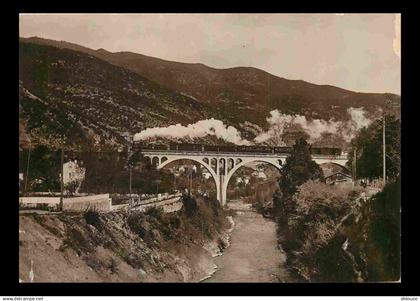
(27,169)
(62,178)
(62,172)
(191,181)
(129,139)
(130,168)
(384,154)
(157,185)
(355,165)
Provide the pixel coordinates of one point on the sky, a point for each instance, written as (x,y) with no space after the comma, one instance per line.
(359,52)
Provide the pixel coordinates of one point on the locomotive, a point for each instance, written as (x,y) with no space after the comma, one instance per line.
(264,149)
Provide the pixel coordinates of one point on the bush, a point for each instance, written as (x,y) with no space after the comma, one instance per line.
(137,222)
(312,195)
(189,205)
(113,266)
(156,212)
(92,218)
(77,241)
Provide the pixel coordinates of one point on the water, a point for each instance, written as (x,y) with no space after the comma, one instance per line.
(253,255)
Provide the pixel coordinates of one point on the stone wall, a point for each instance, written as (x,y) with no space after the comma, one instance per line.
(39,200)
(168,205)
(100,202)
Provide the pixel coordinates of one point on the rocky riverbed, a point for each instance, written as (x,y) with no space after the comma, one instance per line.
(253,254)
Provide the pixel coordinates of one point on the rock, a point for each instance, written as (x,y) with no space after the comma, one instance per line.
(142,272)
(345,245)
(157,236)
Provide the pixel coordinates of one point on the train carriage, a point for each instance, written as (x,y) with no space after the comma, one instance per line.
(327,151)
(254,149)
(227,148)
(314,150)
(282,149)
(193,147)
(150,146)
(210,148)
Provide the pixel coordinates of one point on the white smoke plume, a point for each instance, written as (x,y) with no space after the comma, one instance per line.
(279,122)
(199,129)
(358,120)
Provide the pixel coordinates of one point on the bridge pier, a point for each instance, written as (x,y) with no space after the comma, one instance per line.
(221,190)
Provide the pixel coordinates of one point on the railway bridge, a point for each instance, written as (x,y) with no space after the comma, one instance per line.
(222,165)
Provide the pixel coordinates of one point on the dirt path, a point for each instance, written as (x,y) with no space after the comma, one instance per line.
(253,255)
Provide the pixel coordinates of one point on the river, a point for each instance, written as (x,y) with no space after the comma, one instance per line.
(253,255)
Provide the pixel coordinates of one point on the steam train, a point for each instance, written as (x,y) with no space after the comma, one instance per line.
(192,147)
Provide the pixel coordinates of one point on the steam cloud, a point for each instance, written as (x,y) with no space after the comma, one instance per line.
(316,127)
(277,121)
(199,129)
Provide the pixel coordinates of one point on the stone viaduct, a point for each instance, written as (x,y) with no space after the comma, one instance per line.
(223,165)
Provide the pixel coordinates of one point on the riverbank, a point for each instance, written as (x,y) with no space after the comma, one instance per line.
(342,234)
(253,254)
(122,246)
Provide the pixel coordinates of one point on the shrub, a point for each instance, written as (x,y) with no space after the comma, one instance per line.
(138,223)
(135,220)
(312,195)
(77,241)
(113,266)
(155,212)
(93,263)
(92,218)
(189,205)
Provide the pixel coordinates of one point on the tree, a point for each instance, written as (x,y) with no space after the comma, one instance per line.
(369,148)
(298,168)
(44,169)
(72,186)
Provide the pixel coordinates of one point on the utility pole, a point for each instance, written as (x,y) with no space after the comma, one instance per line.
(157,185)
(191,181)
(355,164)
(269,91)
(130,180)
(129,139)
(384,154)
(27,169)
(62,178)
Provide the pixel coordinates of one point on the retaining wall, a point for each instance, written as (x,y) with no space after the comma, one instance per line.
(168,205)
(33,201)
(100,202)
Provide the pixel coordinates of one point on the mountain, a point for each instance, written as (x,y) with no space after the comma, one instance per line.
(77,97)
(93,85)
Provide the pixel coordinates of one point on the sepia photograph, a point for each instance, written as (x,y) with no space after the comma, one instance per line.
(209,148)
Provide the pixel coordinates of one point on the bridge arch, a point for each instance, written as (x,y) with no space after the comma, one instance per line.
(201,162)
(155,161)
(272,162)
